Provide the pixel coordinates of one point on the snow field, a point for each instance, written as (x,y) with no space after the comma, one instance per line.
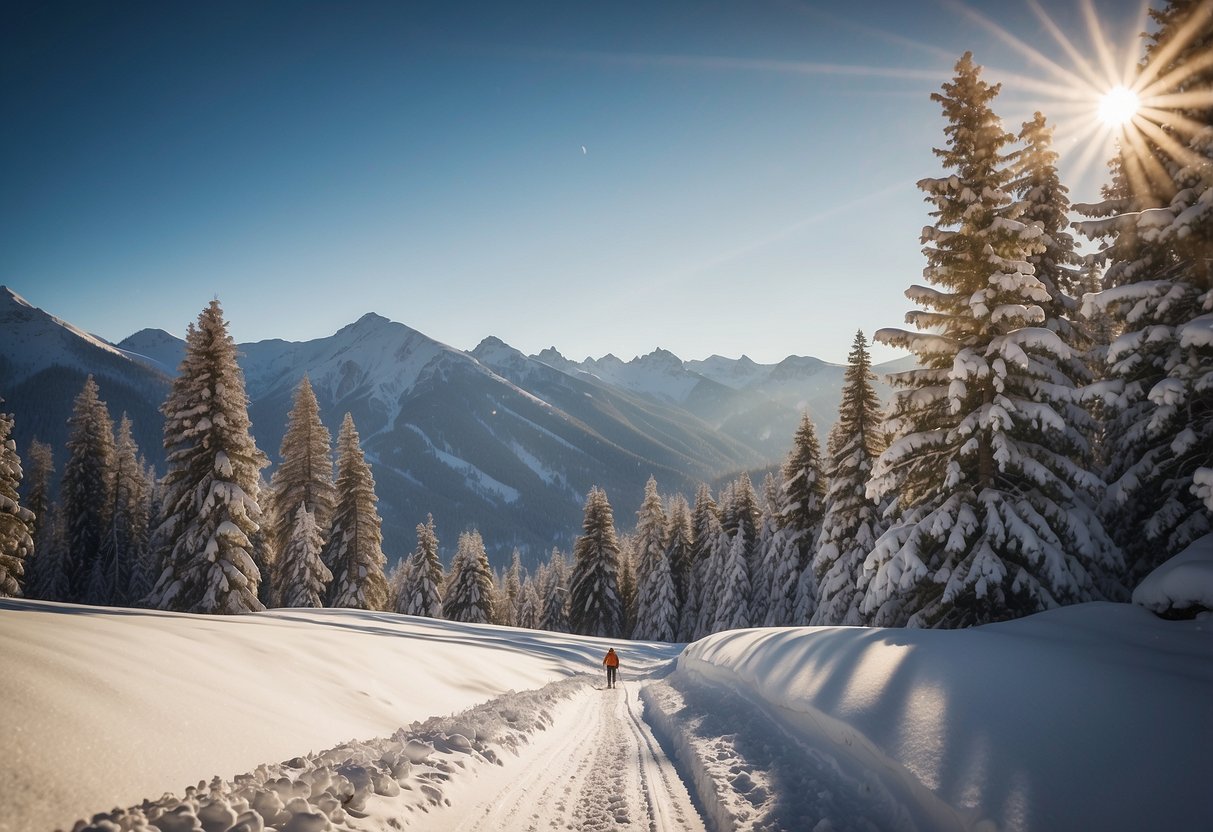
(374,786)
(104,707)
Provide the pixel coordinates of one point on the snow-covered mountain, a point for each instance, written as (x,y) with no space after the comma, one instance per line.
(43,363)
(490,438)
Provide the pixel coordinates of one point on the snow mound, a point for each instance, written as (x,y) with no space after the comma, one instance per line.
(1183,586)
(1094,716)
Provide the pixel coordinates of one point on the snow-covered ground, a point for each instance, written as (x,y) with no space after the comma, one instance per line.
(1090,717)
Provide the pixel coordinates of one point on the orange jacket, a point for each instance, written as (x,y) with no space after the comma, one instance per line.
(611,660)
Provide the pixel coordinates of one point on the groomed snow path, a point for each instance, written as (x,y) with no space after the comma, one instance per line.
(597,767)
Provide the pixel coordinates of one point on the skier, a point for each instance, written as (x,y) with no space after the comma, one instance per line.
(611,663)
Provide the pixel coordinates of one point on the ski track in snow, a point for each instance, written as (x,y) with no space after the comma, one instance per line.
(599,768)
(565,756)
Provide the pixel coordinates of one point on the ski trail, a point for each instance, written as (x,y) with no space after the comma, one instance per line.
(598,767)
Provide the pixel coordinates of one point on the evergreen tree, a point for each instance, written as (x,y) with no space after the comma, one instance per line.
(513,589)
(656,603)
(422,591)
(305,578)
(704,523)
(15,519)
(86,487)
(595,608)
(989,521)
(39,479)
(1157,237)
(679,550)
(305,473)
(147,566)
(763,577)
(209,506)
(127,535)
(852,521)
(554,617)
(794,585)
(733,600)
(628,582)
(397,581)
(469,591)
(719,545)
(530,608)
(353,552)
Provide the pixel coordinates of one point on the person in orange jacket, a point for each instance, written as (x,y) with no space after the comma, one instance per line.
(611,663)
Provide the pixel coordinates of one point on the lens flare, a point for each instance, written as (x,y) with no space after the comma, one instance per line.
(1118,106)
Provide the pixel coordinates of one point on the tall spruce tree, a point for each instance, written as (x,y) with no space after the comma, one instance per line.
(147,566)
(209,506)
(595,607)
(469,589)
(304,577)
(127,534)
(793,585)
(656,603)
(354,551)
(1157,233)
(852,521)
(85,489)
(705,522)
(305,474)
(39,487)
(733,598)
(678,550)
(763,577)
(15,519)
(990,522)
(422,594)
(554,617)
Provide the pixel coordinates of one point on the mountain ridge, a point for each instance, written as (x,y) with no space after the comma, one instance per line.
(491,437)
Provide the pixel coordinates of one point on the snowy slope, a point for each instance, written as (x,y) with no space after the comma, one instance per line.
(103,707)
(1088,717)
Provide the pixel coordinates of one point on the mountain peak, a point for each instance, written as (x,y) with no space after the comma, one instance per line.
(660,357)
(10,298)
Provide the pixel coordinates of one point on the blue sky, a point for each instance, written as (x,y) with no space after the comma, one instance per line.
(746,183)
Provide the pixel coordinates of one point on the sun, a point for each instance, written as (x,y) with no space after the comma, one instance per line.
(1118,106)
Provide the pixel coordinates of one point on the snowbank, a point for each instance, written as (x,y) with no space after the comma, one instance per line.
(1184,584)
(104,707)
(1088,717)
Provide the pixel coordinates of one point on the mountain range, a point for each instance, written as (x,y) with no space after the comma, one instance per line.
(490,438)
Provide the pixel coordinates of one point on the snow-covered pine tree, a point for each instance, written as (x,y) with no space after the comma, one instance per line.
(733,599)
(988,522)
(39,471)
(705,521)
(739,517)
(397,578)
(354,551)
(305,473)
(513,588)
(15,519)
(127,532)
(531,601)
(554,617)
(719,544)
(656,603)
(628,585)
(1157,227)
(852,521)
(678,550)
(209,505)
(305,578)
(762,577)
(469,590)
(422,593)
(595,608)
(85,489)
(793,584)
(147,567)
